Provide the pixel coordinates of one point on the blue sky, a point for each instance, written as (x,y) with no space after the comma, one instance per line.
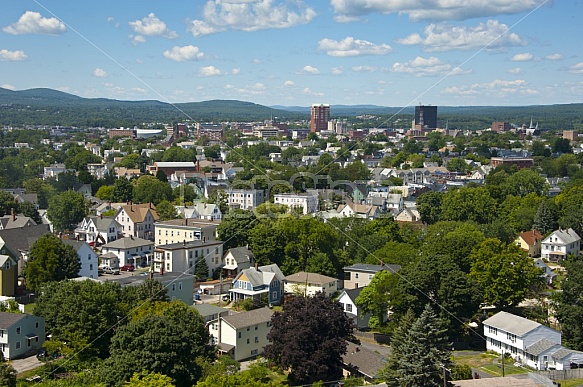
(298,52)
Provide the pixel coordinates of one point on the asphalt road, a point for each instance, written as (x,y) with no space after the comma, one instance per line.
(26,364)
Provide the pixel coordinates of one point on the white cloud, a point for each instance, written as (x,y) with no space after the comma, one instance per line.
(427,67)
(256,61)
(364,69)
(236,71)
(33,23)
(99,73)
(497,87)
(515,70)
(184,53)
(337,70)
(352,47)
(140,90)
(554,57)
(259,86)
(229,86)
(136,39)
(576,68)
(444,37)
(152,26)
(252,15)
(8,86)
(524,57)
(309,91)
(289,83)
(12,56)
(209,71)
(310,70)
(433,9)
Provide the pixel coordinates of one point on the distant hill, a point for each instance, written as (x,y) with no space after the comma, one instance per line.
(52,107)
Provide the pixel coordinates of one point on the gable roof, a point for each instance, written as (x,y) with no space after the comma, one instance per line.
(566,236)
(9,319)
(246,319)
(312,278)
(540,346)
(273,268)
(19,221)
(241,254)
(21,239)
(103,222)
(75,244)
(512,323)
(362,359)
(127,243)
(372,268)
(531,237)
(138,212)
(4,258)
(352,293)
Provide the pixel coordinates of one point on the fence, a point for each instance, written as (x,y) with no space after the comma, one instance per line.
(576,373)
(541,380)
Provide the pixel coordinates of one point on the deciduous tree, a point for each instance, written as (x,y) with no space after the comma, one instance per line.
(67,209)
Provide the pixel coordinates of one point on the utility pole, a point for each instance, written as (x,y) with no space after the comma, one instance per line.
(220,287)
(502,362)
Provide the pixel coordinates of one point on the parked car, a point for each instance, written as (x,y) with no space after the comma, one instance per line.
(110,270)
(128,267)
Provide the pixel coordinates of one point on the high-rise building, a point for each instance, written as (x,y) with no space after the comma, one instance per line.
(425,117)
(320,117)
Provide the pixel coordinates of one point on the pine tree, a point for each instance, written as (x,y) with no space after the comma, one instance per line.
(389,373)
(544,220)
(423,353)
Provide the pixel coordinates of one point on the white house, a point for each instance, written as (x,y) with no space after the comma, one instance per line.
(245,199)
(137,220)
(310,284)
(364,211)
(559,244)
(98,230)
(360,274)
(308,204)
(123,251)
(180,230)
(199,210)
(242,335)
(20,333)
(87,258)
(183,257)
(528,342)
(347,299)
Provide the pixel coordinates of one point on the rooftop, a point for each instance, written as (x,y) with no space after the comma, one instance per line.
(138,279)
(311,278)
(246,319)
(372,268)
(511,323)
(127,243)
(9,319)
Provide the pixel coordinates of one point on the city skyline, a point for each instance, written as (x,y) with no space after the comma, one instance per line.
(387,53)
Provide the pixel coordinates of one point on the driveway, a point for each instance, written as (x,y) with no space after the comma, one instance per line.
(26,364)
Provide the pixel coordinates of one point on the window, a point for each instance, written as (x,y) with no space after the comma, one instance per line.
(256,327)
(90,266)
(18,345)
(180,286)
(257,340)
(356,275)
(239,335)
(173,287)
(347,276)
(247,341)
(8,265)
(253,352)
(349,307)
(18,330)
(493,330)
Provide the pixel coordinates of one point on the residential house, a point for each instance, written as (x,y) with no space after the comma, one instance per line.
(181,230)
(360,274)
(129,250)
(245,199)
(85,189)
(559,244)
(183,257)
(258,281)
(98,230)
(347,299)
(202,211)
(16,242)
(361,362)
(528,342)
(363,211)
(242,335)
(237,259)
(8,275)
(548,274)
(20,334)
(386,201)
(210,312)
(15,221)
(168,168)
(27,197)
(408,215)
(137,220)
(307,204)
(54,170)
(311,283)
(180,286)
(87,258)
(531,242)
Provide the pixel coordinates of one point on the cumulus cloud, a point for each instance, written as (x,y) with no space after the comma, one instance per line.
(310,70)
(33,23)
(184,53)
(432,9)
(152,26)
(515,70)
(554,57)
(444,37)
(576,68)
(352,47)
(364,69)
(524,57)
(136,39)
(12,56)
(99,73)
(250,15)
(289,83)
(209,71)
(337,70)
(236,71)
(427,67)
(496,87)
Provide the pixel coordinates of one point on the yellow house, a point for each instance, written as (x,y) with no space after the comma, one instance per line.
(8,275)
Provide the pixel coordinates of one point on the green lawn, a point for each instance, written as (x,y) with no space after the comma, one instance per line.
(509,369)
(28,308)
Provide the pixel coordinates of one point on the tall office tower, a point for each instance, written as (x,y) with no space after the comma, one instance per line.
(320,117)
(426,117)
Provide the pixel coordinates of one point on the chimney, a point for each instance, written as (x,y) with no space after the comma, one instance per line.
(150,205)
(256,266)
(131,206)
(13,214)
